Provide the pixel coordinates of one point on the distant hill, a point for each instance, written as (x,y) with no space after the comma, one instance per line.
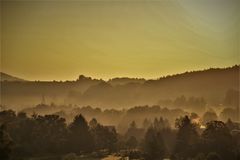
(211,84)
(7,77)
(125,80)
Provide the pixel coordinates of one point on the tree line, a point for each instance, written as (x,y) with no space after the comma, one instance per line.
(22,137)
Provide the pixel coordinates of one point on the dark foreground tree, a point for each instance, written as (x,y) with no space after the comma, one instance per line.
(6,144)
(79,137)
(153,145)
(217,138)
(105,137)
(187,138)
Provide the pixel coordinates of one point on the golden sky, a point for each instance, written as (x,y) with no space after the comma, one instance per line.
(59,40)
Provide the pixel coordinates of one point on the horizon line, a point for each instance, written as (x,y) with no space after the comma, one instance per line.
(108,79)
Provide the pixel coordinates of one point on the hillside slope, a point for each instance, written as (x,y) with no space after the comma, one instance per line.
(7,77)
(211,84)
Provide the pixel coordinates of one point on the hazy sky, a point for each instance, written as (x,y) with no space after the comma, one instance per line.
(59,40)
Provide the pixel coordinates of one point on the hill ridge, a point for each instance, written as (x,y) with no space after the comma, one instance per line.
(8,77)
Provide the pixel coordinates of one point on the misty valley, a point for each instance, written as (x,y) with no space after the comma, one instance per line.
(188,116)
(119,79)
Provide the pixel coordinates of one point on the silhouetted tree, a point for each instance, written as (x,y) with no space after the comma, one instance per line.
(187,138)
(153,145)
(169,138)
(217,138)
(105,137)
(38,134)
(93,123)
(133,124)
(79,137)
(6,144)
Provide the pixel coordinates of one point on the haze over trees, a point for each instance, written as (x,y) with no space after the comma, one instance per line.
(180,117)
(197,87)
(119,80)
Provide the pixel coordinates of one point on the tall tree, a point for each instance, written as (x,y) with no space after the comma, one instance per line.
(187,138)
(79,136)
(217,138)
(105,137)
(153,145)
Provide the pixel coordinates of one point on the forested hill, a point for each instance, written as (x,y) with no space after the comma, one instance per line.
(7,77)
(211,84)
